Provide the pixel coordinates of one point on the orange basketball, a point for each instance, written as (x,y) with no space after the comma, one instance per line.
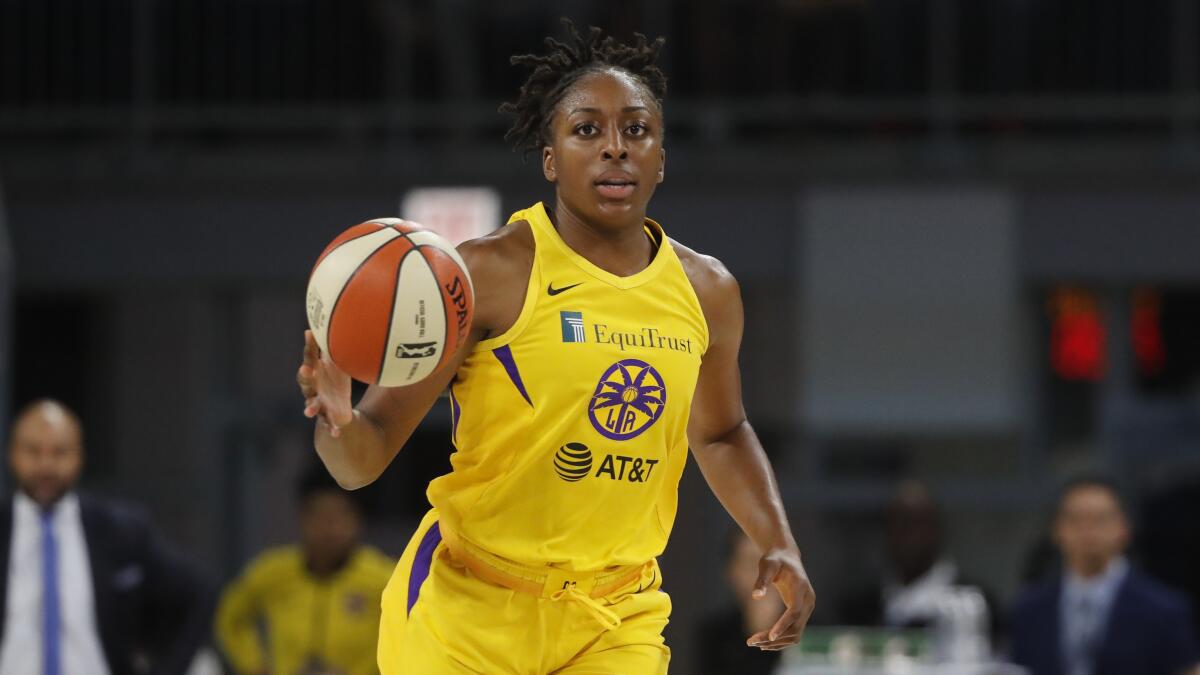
(390,302)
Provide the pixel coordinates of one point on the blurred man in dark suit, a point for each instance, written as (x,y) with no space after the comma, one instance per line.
(1101,617)
(87,586)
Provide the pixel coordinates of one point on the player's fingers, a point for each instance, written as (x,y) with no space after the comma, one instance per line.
(308,391)
(312,406)
(767,569)
(792,621)
(312,353)
(329,367)
(778,646)
(758,638)
(783,642)
(306,378)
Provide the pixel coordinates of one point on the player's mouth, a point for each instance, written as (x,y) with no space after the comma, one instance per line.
(615,185)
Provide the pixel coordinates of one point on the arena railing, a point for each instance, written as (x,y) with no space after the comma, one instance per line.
(137,70)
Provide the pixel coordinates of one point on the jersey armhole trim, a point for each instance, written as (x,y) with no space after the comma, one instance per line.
(527,307)
(695,298)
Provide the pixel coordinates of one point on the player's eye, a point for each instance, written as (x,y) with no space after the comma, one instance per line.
(637,129)
(586,129)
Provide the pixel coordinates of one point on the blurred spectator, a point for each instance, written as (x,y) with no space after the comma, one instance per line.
(723,648)
(316,602)
(1101,617)
(920,576)
(90,587)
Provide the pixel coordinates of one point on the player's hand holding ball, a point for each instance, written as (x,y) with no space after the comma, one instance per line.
(388,303)
(325,387)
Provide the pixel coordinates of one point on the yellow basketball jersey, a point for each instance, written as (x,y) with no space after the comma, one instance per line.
(570,427)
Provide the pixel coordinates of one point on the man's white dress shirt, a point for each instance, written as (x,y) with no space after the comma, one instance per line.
(79,640)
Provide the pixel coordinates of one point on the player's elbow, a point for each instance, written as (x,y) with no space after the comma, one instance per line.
(722,436)
(355,480)
(352,475)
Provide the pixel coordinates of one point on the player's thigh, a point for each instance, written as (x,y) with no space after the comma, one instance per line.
(419,651)
(410,640)
(637,646)
(453,622)
(402,593)
(631,659)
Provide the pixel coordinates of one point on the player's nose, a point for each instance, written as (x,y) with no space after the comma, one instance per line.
(614,144)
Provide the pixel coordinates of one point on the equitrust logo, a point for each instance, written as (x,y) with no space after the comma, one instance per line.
(575,329)
(572,327)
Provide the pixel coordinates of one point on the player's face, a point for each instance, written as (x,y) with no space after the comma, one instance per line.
(607,154)
(46,454)
(329,528)
(1091,529)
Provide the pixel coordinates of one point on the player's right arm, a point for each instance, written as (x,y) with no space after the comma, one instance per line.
(357,443)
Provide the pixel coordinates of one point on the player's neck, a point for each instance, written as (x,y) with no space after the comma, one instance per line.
(623,250)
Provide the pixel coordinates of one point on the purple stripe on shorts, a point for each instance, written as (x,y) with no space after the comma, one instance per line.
(510,366)
(420,568)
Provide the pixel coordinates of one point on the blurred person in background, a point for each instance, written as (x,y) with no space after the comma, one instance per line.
(723,635)
(1101,616)
(90,587)
(313,607)
(919,576)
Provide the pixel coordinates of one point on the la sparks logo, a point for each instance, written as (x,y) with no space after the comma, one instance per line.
(629,399)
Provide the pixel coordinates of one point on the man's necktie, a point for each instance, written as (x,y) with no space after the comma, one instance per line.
(50,621)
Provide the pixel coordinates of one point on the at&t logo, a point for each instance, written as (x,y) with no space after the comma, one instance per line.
(573,462)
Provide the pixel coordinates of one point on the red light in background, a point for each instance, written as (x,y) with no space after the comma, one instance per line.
(1149,348)
(1077,339)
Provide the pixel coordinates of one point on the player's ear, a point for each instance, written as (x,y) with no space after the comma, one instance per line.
(662,163)
(548,169)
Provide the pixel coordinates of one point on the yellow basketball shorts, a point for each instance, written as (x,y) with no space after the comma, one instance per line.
(441,619)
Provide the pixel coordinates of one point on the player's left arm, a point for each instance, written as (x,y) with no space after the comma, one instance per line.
(732,459)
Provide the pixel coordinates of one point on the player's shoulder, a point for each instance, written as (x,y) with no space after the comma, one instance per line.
(717,290)
(709,276)
(508,246)
(500,264)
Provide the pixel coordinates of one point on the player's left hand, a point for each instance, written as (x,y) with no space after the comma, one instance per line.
(783,569)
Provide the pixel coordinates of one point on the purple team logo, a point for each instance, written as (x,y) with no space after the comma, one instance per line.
(629,399)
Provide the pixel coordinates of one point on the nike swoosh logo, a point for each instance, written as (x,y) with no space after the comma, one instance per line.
(551,290)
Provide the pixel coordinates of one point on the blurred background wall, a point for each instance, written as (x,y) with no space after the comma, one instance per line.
(966,232)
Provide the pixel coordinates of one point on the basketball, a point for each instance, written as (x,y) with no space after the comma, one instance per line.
(389,301)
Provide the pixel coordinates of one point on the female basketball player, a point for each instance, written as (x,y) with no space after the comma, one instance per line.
(600,351)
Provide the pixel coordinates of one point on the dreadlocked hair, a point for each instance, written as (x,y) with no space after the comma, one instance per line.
(554,72)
